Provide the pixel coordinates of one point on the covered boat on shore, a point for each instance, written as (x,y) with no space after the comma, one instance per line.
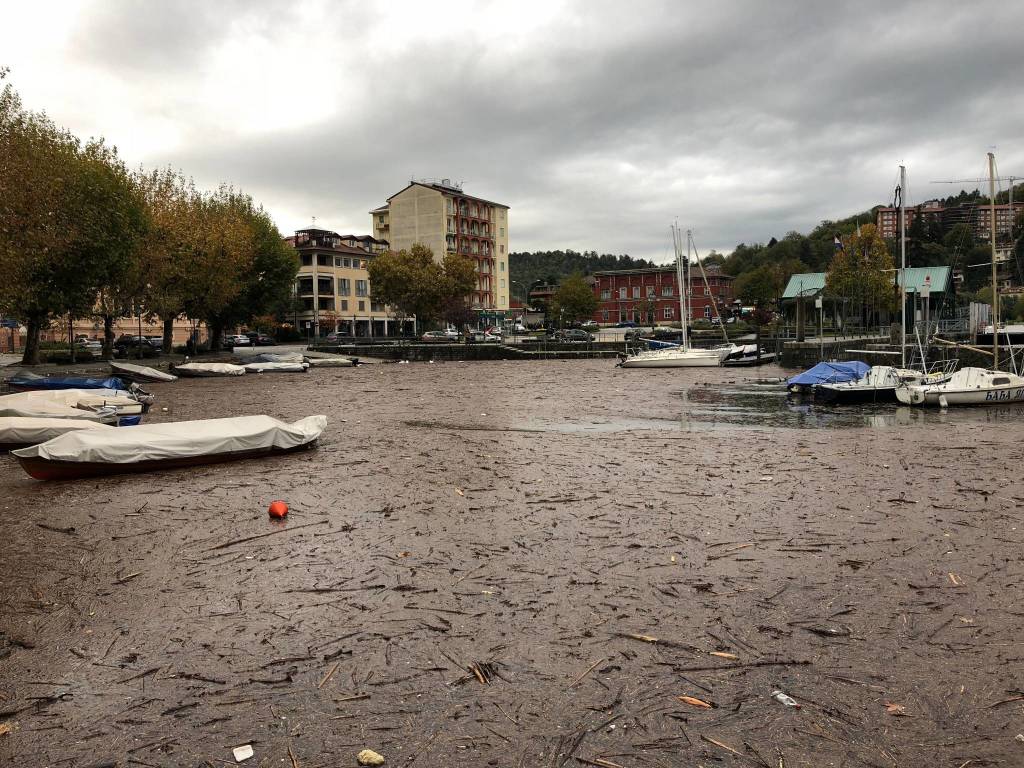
(106,405)
(139,373)
(28,382)
(196,370)
(968,386)
(332,362)
(826,373)
(166,446)
(299,367)
(23,431)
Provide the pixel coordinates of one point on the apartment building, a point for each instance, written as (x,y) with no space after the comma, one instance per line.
(976,215)
(332,289)
(441,216)
(625,295)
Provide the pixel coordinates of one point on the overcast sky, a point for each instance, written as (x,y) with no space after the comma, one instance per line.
(598,123)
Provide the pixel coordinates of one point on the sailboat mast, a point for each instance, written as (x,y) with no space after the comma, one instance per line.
(995,291)
(681,275)
(903,270)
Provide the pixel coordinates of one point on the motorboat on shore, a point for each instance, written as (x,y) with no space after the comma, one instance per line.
(968,386)
(202,370)
(23,431)
(139,373)
(94,453)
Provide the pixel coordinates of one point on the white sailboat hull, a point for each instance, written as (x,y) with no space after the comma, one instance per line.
(968,386)
(675,358)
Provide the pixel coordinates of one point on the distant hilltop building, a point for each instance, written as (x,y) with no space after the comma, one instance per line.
(441,216)
(975,214)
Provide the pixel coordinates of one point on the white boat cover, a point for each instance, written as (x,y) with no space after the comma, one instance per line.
(331,362)
(275,357)
(96,404)
(180,439)
(209,369)
(29,430)
(276,367)
(141,371)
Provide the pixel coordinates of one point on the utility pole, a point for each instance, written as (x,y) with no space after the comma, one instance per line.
(995,289)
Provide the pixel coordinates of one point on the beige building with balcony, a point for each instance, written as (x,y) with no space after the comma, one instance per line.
(332,289)
(442,217)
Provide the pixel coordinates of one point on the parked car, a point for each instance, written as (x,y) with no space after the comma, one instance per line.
(237,340)
(92,346)
(573,336)
(262,340)
(135,346)
(589,325)
(435,337)
(625,324)
(332,338)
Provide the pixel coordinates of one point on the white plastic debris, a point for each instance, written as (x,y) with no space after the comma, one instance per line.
(242,753)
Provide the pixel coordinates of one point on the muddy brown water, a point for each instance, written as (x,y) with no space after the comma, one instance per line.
(480,557)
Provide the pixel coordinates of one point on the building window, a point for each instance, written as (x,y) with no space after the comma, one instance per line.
(380,219)
(502,264)
(306,260)
(666,290)
(707,311)
(502,231)
(344,286)
(503,282)
(606,294)
(362,306)
(502,248)
(344,305)
(345,263)
(650,291)
(604,315)
(376,306)
(622,293)
(337,261)
(362,289)
(707,291)
(668,313)
(304,286)
(636,291)
(324,260)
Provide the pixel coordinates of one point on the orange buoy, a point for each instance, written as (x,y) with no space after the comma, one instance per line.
(278,509)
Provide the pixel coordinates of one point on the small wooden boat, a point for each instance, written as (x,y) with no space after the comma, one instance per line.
(140,373)
(22,431)
(166,446)
(194,370)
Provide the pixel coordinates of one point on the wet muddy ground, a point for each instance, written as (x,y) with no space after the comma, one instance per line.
(528,564)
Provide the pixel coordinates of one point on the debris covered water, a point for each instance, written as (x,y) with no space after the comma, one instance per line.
(461,582)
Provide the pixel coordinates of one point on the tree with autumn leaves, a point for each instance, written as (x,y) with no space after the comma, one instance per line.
(82,236)
(862,272)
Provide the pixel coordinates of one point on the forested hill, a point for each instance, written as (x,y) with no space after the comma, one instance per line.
(552,266)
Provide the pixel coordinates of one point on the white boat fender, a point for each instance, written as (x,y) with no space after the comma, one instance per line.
(943,403)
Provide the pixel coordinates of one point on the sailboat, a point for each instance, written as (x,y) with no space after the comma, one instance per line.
(682,356)
(975,386)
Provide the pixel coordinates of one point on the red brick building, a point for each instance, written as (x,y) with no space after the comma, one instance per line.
(622,295)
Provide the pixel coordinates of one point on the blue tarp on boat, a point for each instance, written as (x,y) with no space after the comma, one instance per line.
(30,381)
(830,373)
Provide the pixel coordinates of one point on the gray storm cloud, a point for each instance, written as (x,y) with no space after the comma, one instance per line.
(599,127)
